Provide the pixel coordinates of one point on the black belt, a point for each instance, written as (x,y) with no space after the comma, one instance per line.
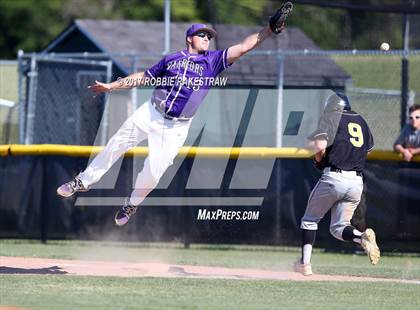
(168,117)
(334,169)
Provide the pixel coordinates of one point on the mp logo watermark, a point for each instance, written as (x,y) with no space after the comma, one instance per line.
(228,118)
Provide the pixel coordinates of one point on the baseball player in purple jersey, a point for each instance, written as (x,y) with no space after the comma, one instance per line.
(165,119)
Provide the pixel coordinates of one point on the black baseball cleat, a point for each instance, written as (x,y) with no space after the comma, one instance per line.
(69,188)
(123,215)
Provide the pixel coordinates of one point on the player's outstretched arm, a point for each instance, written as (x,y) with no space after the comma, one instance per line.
(131,81)
(248,44)
(275,25)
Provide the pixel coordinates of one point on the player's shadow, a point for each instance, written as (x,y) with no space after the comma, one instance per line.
(47,270)
(181,272)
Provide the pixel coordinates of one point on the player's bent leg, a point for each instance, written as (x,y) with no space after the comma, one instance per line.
(137,196)
(127,137)
(370,246)
(164,144)
(342,212)
(348,233)
(155,165)
(341,228)
(367,239)
(145,183)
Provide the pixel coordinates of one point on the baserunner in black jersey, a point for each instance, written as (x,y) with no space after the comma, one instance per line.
(341,144)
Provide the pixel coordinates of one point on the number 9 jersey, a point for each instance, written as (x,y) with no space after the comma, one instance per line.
(348,139)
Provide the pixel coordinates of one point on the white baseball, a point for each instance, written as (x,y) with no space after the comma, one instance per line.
(384,46)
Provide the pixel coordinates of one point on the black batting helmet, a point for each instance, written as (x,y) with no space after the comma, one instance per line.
(337,102)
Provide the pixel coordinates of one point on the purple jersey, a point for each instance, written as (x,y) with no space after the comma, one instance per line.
(189,76)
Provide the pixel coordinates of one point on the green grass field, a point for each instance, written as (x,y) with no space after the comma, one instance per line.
(380,71)
(9,81)
(82,292)
(8,91)
(61,292)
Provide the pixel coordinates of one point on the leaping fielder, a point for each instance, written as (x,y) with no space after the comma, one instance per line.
(165,119)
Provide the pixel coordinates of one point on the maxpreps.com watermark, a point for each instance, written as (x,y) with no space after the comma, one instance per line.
(191,82)
(220,214)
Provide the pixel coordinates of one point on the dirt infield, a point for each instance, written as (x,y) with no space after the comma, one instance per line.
(27,265)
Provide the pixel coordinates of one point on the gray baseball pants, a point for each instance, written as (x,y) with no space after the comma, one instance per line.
(338,191)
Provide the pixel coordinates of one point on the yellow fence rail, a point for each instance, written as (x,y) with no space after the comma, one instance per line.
(203,152)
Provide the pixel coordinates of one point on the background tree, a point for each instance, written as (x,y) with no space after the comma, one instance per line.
(30,25)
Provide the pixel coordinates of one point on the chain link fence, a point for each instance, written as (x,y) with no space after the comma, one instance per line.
(375,91)
(58,108)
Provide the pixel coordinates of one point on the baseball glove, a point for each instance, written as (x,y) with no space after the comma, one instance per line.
(277,20)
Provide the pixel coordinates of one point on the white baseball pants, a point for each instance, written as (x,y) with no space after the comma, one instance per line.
(165,138)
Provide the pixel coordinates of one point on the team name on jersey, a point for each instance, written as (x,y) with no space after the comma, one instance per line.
(182,63)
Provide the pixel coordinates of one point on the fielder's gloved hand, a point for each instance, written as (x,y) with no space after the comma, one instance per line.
(277,20)
(320,165)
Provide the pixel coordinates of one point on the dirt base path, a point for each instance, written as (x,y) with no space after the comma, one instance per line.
(28,265)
